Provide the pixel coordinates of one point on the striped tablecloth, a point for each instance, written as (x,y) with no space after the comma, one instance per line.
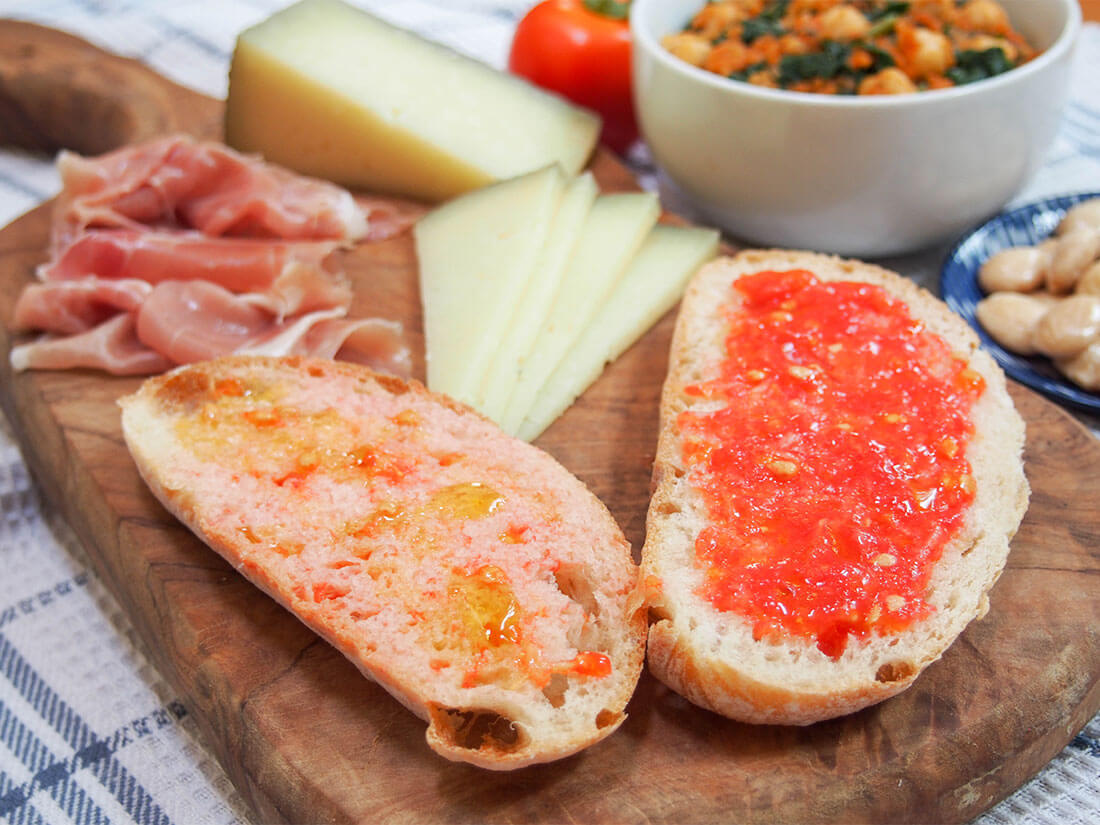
(89,733)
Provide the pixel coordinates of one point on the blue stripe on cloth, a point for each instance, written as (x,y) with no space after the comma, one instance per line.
(27,815)
(1086,743)
(1084,110)
(49,775)
(1085,124)
(97,755)
(193,38)
(28,606)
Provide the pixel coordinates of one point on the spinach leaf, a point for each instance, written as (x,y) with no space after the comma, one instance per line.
(774,11)
(892,9)
(758,26)
(881,56)
(972,65)
(829,62)
(747,72)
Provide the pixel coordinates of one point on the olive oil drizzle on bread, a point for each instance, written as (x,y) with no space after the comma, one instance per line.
(465,571)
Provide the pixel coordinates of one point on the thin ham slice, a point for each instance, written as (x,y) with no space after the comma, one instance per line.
(113,347)
(70,307)
(196,320)
(373,342)
(389,217)
(286,276)
(178,182)
(177,251)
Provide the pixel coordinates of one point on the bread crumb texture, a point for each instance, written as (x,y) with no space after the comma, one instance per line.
(722,659)
(466,571)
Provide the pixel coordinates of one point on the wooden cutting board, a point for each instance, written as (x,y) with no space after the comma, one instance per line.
(306,739)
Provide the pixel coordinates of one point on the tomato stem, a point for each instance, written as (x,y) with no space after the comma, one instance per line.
(615,9)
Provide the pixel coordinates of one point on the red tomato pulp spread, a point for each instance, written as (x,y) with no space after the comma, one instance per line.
(834,469)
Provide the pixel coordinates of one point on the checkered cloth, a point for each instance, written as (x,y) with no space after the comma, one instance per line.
(89,733)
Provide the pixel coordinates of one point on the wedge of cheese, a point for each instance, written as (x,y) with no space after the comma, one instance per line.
(615,230)
(331,91)
(650,288)
(542,287)
(477,254)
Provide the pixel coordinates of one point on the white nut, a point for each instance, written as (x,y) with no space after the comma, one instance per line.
(1068,327)
(1017,269)
(1084,368)
(1086,215)
(1089,282)
(1011,319)
(1075,252)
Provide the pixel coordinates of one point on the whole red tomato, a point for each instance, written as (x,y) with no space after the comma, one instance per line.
(581,50)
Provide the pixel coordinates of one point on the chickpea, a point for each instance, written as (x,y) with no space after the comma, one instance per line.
(1016,269)
(844,23)
(764,78)
(793,44)
(714,18)
(1084,214)
(727,57)
(690,47)
(1076,250)
(1068,327)
(1089,282)
(889,81)
(1011,319)
(1084,368)
(927,51)
(984,16)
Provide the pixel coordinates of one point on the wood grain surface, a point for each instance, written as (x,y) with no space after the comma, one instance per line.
(306,739)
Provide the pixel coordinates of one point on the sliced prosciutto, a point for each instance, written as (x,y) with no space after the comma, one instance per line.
(191,321)
(292,275)
(69,307)
(176,251)
(178,182)
(388,217)
(113,347)
(373,342)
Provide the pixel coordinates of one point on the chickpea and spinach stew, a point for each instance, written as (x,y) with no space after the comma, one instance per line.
(852,46)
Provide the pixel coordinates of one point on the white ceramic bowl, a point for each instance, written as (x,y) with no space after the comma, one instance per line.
(859,176)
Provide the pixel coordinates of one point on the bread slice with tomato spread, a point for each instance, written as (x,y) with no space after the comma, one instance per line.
(465,571)
(837,479)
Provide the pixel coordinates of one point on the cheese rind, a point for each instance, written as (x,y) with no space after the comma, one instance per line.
(616,228)
(650,288)
(331,91)
(477,254)
(542,287)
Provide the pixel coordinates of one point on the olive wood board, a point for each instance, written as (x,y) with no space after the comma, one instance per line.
(305,738)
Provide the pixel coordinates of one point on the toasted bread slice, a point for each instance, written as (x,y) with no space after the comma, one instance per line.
(727,659)
(465,571)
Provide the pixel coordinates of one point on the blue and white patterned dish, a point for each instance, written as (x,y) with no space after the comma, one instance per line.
(1024,226)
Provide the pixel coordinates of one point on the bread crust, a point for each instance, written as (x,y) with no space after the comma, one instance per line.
(709,656)
(501,723)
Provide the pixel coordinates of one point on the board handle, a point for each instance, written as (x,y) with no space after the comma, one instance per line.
(58,91)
